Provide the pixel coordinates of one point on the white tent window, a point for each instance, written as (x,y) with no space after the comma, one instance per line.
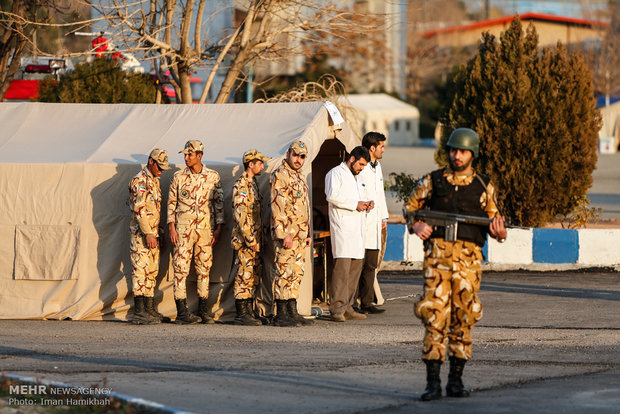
(46,252)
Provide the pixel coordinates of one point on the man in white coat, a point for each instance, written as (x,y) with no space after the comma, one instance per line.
(347,214)
(371,179)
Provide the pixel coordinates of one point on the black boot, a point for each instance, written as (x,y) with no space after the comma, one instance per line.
(282,318)
(149,307)
(433,382)
(244,313)
(202,312)
(183,315)
(291,307)
(454,387)
(140,315)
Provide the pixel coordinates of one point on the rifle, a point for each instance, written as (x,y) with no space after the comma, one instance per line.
(450,221)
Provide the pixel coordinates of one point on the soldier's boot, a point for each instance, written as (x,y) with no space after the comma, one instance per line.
(244,313)
(455,387)
(184,317)
(202,312)
(291,307)
(433,382)
(282,318)
(140,316)
(149,307)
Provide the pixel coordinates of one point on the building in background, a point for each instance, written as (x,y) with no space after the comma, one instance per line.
(397,120)
(551,29)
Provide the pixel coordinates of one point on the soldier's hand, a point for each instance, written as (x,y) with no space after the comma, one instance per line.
(423,230)
(174,236)
(308,241)
(151,242)
(498,229)
(255,247)
(216,234)
(371,205)
(287,242)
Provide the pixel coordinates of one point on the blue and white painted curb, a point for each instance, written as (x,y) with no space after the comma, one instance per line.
(537,249)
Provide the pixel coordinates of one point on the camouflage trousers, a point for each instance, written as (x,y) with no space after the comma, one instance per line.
(248,273)
(290,269)
(450,306)
(145,263)
(196,244)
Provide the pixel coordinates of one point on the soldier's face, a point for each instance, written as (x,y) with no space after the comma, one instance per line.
(193,159)
(295,160)
(154,168)
(356,167)
(461,160)
(256,167)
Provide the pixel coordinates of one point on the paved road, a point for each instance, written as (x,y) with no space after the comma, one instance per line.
(605,191)
(547,342)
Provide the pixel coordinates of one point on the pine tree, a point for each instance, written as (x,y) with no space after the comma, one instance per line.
(102,81)
(534,111)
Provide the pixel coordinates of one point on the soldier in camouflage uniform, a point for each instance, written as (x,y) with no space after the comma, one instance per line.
(145,205)
(195,220)
(450,306)
(246,236)
(290,230)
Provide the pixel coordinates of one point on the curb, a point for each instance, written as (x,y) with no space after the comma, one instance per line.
(531,249)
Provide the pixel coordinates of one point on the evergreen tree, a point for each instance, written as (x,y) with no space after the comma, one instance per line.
(102,81)
(535,113)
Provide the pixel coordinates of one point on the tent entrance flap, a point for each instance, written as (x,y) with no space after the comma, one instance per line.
(46,252)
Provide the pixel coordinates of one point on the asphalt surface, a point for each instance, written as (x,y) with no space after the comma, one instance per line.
(548,342)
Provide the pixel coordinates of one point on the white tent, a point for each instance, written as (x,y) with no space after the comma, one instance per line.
(64,171)
(397,120)
(609,135)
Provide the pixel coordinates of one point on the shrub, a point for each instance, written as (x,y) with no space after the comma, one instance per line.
(534,111)
(102,81)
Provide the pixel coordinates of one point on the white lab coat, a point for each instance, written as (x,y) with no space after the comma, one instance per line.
(372,184)
(346,224)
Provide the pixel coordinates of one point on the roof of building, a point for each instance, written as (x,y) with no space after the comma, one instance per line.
(378,102)
(507,19)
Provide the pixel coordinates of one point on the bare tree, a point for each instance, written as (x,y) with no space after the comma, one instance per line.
(425,60)
(33,27)
(184,35)
(605,61)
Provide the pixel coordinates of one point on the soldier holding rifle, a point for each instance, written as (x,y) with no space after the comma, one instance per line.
(450,306)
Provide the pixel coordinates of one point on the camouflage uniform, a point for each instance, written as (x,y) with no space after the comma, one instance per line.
(246,234)
(452,271)
(145,205)
(196,206)
(290,215)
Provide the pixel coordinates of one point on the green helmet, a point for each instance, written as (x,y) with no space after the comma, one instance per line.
(465,139)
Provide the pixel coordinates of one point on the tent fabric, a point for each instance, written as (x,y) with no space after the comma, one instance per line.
(46,252)
(611,122)
(64,174)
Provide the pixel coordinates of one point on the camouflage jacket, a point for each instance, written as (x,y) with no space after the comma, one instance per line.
(247,224)
(423,190)
(196,200)
(290,203)
(145,203)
